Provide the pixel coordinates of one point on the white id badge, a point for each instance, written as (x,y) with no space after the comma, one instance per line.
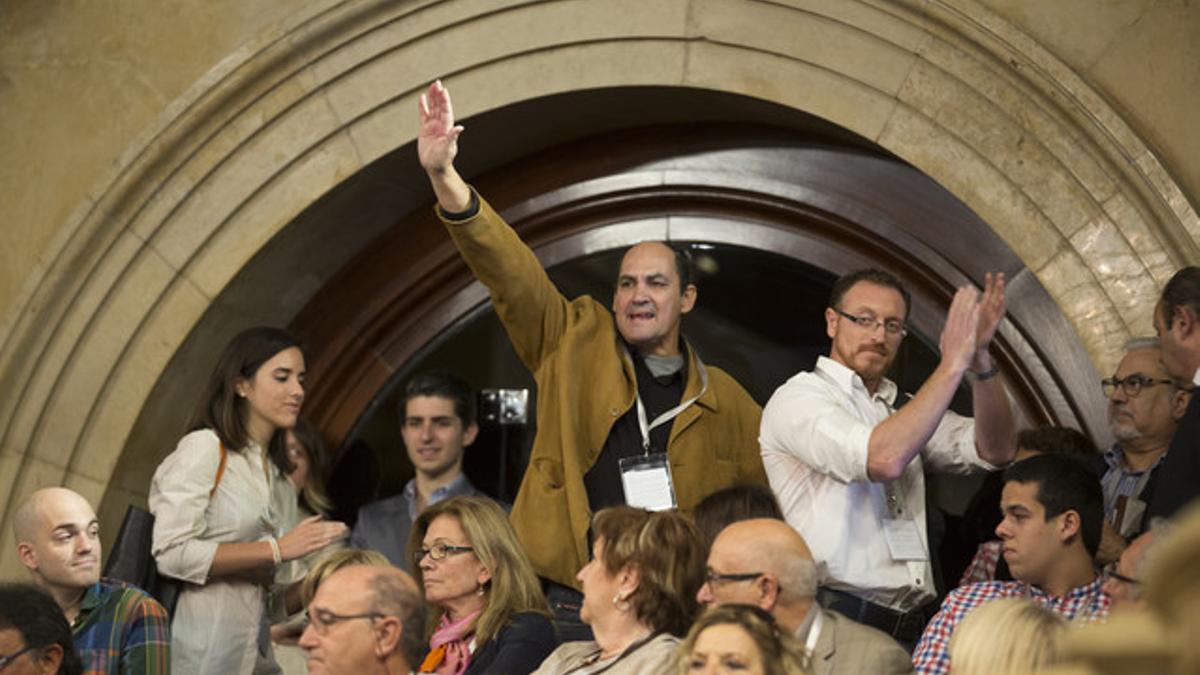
(647,482)
(904,539)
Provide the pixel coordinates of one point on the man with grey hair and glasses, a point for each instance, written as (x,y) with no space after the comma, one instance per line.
(765,563)
(365,620)
(1144,409)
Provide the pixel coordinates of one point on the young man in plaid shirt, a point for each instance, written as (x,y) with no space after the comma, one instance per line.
(1053,510)
(117,628)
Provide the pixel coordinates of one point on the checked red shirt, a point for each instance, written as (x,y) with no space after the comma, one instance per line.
(1085,603)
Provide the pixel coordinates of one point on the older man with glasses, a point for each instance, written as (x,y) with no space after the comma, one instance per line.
(847,462)
(1144,409)
(764,563)
(364,620)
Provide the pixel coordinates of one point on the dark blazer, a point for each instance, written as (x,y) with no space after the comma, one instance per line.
(518,649)
(1176,481)
(385,525)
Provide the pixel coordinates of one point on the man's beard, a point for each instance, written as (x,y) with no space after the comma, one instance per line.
(1123,430)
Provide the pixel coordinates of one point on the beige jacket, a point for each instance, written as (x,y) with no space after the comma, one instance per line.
(585,383)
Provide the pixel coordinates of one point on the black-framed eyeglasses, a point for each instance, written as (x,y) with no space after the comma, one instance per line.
(322,619)
(1110,572)
(1132,385)
(5,660)
(439,551)
(713,577)
(890,326)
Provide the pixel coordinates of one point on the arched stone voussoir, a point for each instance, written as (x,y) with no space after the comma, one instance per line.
(281,123)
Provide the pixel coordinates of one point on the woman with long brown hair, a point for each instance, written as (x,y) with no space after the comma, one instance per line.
(217,500)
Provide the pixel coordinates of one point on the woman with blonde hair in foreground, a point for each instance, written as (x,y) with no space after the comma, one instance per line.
(1007,636)
(488,614)
(739,639)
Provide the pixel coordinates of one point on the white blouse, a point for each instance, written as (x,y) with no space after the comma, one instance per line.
(217,622)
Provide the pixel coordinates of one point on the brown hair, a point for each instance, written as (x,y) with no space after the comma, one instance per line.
(334,561)
(730,505)
(514,586)
(665,549)
(222,410)
(312,493)
(779,652)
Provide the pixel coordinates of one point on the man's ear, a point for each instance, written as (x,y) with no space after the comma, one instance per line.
(689,299)
(470,433)
(1185,319)
(768,592)
(51,658)
(831,319)
(1069,526)
(388,631)
(27,555)
(1179,403)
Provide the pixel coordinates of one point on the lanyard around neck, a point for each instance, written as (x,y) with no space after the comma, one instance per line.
(670,414)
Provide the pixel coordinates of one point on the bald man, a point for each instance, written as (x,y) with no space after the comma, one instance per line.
(117,628)
(621,394)
(1123,578)
(364,620)
(764,562)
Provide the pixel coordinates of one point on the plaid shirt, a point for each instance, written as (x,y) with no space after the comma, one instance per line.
(121,629)
(932,657)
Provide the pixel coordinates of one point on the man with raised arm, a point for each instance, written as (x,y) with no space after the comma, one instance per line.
(848,463)
(627,412)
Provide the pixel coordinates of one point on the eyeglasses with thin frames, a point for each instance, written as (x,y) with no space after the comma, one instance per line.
(1110,572)
(1132,385)
(714,577)
(322,619)
(5,660)
(439,551)
(891,327)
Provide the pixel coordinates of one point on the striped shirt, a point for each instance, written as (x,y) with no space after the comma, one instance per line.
(932,656)
(121,629)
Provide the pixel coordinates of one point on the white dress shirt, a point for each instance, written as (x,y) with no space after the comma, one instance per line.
(814,436)
(217,622)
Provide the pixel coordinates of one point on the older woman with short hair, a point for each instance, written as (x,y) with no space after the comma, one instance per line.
(489,614)
(639,594)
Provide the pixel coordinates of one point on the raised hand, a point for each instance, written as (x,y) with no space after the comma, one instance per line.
(311,534)
(991,310)
(959,335)
(437,140)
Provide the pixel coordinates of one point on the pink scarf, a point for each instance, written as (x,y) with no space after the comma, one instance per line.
(450,651)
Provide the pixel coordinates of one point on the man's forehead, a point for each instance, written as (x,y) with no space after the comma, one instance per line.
(1017,493)
(429,406)
(870,293)
(340,593)
(65,510)
(1147,360)
(648,257)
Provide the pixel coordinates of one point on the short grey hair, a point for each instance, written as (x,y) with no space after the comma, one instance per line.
(391,597)
(797,575)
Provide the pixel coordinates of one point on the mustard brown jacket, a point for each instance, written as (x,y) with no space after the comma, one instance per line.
(585,383)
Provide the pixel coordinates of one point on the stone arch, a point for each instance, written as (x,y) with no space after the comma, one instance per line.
(946,85)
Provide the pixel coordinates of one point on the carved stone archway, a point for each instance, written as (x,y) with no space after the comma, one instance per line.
(136,284)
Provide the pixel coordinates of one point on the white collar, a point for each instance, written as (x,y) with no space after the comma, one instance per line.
(850,381)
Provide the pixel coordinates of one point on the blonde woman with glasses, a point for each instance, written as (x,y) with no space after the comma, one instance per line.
(488,614)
